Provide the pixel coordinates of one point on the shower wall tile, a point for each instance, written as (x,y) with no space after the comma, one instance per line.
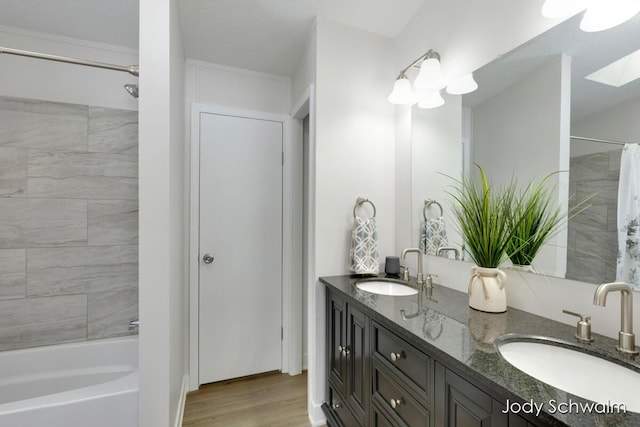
(82,175)
(33,322)
(60,271)
(593,218)
(42,222)
(603,192)
(113,131)
(113,222)
(46,125)
(13,172)
(109,313)
(12,273)
(591,167)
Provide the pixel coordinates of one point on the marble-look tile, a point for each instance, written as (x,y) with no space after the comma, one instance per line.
(59,271)
(113,222)
(13,171)
(12,273)
(614,163)
(82,175)
(590,167)
(612,218)
(597,244)
(593,218)
(42,222)
(585,268)
(46,125)
(602,192)
(113,131)
(109,313)
(34,322)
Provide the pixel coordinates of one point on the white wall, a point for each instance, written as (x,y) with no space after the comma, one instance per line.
(436,144)
(618,123)
(162,279)
(54,81)
(529,140)
(215,84)
(354,156)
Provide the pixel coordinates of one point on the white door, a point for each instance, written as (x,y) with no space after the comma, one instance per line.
(241,229)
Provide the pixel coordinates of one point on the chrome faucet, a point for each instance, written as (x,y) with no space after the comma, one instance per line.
(456,252)
(405,272)
(134,325)
(626,338)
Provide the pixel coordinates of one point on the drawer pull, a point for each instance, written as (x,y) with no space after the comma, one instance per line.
(345,351)
(336,406)
(394,403)
(340,349)
(396,356)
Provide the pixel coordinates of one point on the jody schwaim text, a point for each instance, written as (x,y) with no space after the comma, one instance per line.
(569,407)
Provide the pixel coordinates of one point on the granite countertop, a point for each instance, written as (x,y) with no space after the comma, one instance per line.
(463,339)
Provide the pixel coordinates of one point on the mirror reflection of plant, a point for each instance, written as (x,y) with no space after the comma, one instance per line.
(536,217)
(480,212)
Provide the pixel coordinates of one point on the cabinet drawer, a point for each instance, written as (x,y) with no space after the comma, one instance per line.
(340,409)
(407,361)
(388,393)
(379,419)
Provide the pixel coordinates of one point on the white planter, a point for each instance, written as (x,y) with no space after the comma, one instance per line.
(486,290)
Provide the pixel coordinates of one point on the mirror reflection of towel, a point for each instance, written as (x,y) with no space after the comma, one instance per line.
(433,235)
(363,252)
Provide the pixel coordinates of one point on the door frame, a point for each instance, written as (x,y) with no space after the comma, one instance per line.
(291,344)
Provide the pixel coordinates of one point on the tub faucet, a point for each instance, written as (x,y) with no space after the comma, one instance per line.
(441,249)
(626,338)
(405,272)
(134,325)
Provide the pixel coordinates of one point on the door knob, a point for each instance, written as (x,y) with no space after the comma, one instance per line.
(207,258)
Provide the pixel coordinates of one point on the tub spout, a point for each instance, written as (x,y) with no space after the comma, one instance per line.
(134,325)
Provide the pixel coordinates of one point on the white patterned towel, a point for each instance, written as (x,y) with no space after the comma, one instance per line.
(363,252)
(433,235)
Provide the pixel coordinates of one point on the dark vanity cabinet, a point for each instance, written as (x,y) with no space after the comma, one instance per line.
(377,378)
(348,357)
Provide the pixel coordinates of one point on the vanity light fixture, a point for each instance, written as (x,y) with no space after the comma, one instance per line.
(427,85)
(600,14)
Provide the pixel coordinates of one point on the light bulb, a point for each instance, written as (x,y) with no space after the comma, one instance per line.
(602,15)
(430,75)
(402,94)
(464,84)
(432,100)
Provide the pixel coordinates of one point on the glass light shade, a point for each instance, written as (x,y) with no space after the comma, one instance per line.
(562,8)
(402,94)
(602,15)
(430,75)
(432,100)
(464,84)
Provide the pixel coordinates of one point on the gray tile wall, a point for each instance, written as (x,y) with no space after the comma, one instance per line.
(592,239)
(68,222)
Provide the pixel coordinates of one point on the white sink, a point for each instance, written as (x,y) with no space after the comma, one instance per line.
(386,288)
(576,372)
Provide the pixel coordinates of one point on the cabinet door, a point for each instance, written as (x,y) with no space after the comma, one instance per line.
(458,403)
(337,342)
(358,373)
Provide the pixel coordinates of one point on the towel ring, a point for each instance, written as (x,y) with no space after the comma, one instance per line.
(361,201)
(428,203)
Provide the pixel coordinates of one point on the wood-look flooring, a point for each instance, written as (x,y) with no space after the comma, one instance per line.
(272,399)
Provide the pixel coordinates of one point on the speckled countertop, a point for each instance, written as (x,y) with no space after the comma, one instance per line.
(463,339)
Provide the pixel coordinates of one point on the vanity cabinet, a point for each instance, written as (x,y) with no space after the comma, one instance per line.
(377,378)
(348,357)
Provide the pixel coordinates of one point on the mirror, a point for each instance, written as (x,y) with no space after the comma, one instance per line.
(521,122)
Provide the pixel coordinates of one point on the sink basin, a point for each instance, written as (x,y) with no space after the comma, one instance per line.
(383,287)
(570,368)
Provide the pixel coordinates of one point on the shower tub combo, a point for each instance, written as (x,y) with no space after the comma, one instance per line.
(91,383)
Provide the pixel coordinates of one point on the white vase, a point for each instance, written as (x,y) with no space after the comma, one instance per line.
(486,290)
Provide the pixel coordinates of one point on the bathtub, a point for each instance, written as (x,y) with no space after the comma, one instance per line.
(92,383)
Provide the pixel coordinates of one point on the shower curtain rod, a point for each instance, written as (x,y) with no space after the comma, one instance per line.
(604,141)
(131,69)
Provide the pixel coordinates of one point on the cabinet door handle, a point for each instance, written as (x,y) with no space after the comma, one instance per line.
(340,349)
(336,405)
(345,351)
(394,403)
(396,356)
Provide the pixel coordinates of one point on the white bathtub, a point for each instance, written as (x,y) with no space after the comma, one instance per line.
(91,383)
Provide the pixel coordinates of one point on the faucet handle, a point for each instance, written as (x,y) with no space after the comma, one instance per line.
(583,332)
(405,273)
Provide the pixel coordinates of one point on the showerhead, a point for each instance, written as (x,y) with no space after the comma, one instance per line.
(132,89)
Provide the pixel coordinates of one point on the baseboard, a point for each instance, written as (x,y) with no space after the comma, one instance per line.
(316,416)
(183,400)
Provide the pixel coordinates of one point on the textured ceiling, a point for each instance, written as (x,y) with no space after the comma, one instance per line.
(270,35)
(589,52)
(104,21)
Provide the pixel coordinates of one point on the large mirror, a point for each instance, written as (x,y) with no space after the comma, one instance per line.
(536,112)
